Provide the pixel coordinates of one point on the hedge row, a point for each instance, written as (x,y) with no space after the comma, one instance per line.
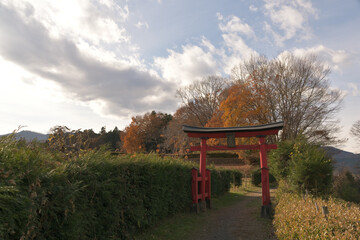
(256,177)
(95,196)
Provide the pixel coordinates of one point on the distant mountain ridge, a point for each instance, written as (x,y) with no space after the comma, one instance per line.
(29,136)
(344,159)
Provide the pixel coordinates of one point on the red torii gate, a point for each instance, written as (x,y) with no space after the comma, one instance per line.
(259,131)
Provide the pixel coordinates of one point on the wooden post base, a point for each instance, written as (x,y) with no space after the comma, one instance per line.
(266,211)
(208,203)
(203,206)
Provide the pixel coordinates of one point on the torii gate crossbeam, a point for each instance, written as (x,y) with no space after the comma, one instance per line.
(259,131)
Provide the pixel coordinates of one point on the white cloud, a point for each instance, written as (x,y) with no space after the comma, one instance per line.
(197,61)
(239,51)
(92,21)
(192,64)
(253,8)
(233,24)
(211,48)
(236,48)
(290,17)
(334,58)
(237,45)
(219,16)
(140,25)
(117,85)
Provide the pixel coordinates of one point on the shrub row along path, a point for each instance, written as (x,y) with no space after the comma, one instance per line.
(238,221)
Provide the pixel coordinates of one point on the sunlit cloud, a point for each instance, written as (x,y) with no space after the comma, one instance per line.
(289,19)
(333,58)
(183,68)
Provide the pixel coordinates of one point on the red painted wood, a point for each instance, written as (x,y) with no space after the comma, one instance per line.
(195,195)
(203,176)
(203,167)
(237,134)
(264,173)
(208,183)
(194,185)
(238,147)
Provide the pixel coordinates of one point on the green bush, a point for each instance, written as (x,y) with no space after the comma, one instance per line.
(256,177)
(220,182)
(310,168)
(280,158)
(304,165)
(93,196)
(236,178)
(347,187)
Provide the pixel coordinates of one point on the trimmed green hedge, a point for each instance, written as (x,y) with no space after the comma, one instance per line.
(95,196)
(256,177)
(214,155)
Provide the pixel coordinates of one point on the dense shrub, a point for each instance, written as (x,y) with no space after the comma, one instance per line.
(310,168)
(250,157)
(305,166)
(299,218)
(256,177)
(279,159)
(347,187)
(221,180)
(94,196)
(236,178)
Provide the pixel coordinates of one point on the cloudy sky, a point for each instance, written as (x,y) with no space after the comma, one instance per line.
(87,64)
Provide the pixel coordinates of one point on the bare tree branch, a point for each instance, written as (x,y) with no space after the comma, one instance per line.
(297,92)
(202,98)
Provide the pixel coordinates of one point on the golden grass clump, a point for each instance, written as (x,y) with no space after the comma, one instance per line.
(303,218)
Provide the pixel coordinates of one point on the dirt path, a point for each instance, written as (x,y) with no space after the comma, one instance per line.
(239,221)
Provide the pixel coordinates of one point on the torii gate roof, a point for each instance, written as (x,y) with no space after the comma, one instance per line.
(247,131)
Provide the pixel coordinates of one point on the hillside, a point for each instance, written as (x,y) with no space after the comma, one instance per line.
(29,136)
(345,159)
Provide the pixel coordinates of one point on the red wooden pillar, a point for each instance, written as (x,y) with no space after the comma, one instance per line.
(208,183)
(194,185)
(264,173)
(203,168)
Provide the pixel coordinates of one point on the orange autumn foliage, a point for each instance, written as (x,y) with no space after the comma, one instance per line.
(214,122)
(145,133)
(132,140)
(245,104)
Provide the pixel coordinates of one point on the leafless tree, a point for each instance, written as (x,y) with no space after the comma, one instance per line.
(176,141)
(355,130)
(297,92)
(202,98)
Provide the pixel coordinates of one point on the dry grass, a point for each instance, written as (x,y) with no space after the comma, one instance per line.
(299,218)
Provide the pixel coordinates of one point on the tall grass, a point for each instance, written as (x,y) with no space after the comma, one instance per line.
(299,217)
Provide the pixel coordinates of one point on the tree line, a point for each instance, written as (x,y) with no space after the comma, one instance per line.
(288,88)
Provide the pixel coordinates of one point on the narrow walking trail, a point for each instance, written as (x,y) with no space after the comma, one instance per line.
(239,221)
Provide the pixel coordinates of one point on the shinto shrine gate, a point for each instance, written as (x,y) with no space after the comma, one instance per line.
(202,191)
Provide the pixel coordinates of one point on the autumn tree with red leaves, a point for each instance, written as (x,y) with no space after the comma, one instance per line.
(146,133)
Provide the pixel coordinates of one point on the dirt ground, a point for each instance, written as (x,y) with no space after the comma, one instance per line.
(239,221)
